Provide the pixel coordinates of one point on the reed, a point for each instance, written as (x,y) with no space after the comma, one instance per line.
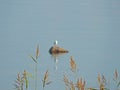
(116,79)
(21,82)
(72,85)
(101,82)
(73,65)
(69,84)
(36,64)
(66,81)
(46,80)
(80,84)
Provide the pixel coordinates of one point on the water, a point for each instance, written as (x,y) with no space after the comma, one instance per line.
(88,29)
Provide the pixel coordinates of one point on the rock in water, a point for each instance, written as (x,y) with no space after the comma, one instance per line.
(56,49)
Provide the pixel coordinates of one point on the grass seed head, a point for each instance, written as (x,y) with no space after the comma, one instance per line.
(115,74)
(18,77)
(66,81)
(72,64)
(101,82)
(72,87)
(24,74)
(99,78)
(80,84)
(37,52)
(46,79)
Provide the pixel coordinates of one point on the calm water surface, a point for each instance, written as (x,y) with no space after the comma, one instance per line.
(90,30)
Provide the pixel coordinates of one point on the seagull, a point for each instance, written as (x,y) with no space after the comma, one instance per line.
(56,42)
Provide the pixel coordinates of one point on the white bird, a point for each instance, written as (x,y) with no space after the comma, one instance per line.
(56,42)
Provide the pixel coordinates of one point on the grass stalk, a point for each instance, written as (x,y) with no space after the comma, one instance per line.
(36,72)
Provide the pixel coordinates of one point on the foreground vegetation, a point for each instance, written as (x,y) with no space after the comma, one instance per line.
(22,82)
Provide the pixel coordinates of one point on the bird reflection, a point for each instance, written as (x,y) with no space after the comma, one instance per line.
(56,58)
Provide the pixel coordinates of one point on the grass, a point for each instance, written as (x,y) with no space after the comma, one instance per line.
(36,65)
(22,82)
(46,80)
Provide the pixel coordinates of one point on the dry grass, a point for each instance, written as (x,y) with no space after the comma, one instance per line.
(35,59)
(69,84)
(21,81)
(72,86)
(66,81)
(116,79)
(72,64)
(80,84)
(46,80)
(116,75)
(37,52)
(102,82)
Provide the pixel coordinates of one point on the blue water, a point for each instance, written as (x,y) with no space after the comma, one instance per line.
(89,29)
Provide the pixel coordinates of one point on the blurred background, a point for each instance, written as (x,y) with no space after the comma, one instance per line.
(89,29)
